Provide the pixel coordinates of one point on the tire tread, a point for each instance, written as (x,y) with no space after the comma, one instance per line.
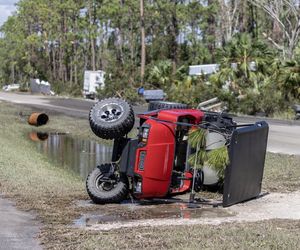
(116,130)
(115,195)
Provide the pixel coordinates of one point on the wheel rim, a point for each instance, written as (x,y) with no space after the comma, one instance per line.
(110,112)
(105,184)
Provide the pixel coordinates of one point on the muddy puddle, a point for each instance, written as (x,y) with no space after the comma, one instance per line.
(137,212)
(283,206)
(79,156)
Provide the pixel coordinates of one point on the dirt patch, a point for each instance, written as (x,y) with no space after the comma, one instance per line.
(271,206)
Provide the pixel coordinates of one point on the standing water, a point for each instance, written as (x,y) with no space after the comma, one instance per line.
(79,156)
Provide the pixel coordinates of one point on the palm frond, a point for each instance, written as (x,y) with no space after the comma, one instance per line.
(197,138)
(218,159)
(198,159)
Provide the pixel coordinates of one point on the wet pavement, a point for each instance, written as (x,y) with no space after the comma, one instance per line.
(18,229)
(78,156)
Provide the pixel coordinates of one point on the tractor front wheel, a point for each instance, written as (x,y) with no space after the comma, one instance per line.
(105,185)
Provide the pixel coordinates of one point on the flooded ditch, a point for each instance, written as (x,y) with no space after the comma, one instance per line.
(79,156)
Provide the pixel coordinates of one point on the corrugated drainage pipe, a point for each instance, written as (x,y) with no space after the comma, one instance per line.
(38,119)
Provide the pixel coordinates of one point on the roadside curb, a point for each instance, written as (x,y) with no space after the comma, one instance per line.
(245,118)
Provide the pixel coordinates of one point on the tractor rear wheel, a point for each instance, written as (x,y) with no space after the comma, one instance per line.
(111,118)
(155,105)
(105,185)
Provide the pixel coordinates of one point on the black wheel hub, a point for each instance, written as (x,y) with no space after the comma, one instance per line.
(106,183)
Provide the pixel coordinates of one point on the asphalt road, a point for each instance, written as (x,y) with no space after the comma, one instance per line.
(284,136)
(17,229)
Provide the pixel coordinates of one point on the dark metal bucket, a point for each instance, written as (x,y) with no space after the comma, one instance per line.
(247,151)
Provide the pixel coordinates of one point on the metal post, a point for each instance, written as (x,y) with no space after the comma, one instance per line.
(192,195)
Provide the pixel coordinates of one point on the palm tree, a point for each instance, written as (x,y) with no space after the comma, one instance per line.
(289,80)
(244,63)
(160,74)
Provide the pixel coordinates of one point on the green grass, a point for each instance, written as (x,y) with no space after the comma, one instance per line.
(278,234)
(38,185)
(285,115)
(282,173)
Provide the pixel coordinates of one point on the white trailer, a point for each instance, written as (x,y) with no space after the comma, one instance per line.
(93,80)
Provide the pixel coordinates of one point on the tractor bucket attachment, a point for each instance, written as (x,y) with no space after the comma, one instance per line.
(247,151)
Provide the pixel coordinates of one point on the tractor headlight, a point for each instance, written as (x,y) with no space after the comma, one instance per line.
(144,134)
(138,187)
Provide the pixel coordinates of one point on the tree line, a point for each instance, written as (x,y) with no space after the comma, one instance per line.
(151,43)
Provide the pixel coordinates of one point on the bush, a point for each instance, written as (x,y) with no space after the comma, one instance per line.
(267,101)
(191,91)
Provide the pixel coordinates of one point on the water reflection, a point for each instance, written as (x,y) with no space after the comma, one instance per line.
(80,156)
(38,136)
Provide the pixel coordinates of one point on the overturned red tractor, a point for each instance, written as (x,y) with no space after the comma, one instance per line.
(156,163)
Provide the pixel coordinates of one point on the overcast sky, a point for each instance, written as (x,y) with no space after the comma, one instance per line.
(6,9)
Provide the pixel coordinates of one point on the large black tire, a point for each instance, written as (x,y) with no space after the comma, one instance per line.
(155,105)
(111,118)
(101,191)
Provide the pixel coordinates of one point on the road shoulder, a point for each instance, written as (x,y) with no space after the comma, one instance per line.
(18,229)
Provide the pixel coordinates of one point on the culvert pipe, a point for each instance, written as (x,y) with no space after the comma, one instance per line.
(38,119)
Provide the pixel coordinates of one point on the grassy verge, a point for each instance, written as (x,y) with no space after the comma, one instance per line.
(262,235)
(282,173)
(38,185)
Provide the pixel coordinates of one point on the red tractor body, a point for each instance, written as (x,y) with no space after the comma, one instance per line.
(155,153)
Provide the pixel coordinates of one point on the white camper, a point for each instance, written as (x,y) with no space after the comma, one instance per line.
(93,80)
